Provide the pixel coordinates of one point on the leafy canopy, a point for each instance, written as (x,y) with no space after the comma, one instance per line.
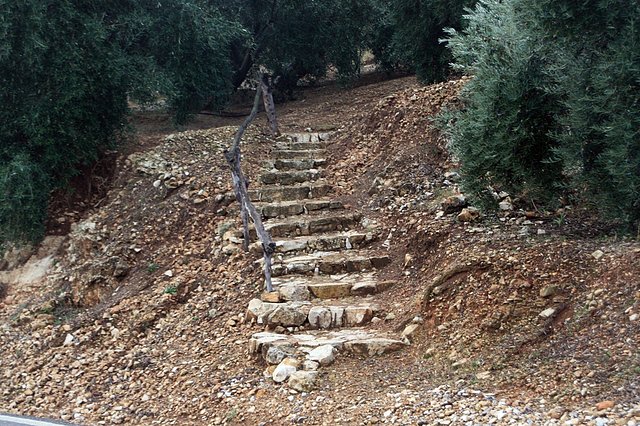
(67,68)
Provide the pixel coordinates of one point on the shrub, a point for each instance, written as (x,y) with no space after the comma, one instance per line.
(23,200)
(553,106)
(503,136)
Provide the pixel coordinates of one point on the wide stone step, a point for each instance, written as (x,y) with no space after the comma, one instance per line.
(291,192)
(296,207)
(355,341)
(308,137)
(322,315)
(289,177)
(328,221)
(328,263)
(289,154)
(301,146)
(296,164)
(297,288)
(326,242)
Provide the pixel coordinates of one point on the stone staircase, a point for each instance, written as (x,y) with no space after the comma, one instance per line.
(325,276)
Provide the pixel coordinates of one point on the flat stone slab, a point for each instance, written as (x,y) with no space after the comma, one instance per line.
(325,242)
(296,207)
(289,154)
(289,177)
(357,341)
(326,221)
(334,286)
(306,137)
(323,315)
(306,146)
(289,193)
(297,164)
(329,263)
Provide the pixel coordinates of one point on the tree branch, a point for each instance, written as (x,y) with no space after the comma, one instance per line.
(247,209)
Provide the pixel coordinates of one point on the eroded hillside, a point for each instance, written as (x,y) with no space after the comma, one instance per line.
(513,317)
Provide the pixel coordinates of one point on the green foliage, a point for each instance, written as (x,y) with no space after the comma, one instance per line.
(172,290)
(152,267)
(298,39)
(599,74)
(553,106)
(189,44)
(60,104)
(503,135)
(23,200)
(418,26)
(66,70)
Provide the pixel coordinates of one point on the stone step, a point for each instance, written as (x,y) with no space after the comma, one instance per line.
(292,287)
(290,193)
(325,221)
(290,154)
(307,137)
(329,263)
(326,242)
(296,207)
(323,315)
(296,164)
(355,341)
(289,177)
(304,146)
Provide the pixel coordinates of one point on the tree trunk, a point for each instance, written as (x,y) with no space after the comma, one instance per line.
(269,105)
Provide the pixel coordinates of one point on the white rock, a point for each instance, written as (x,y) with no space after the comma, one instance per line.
(303,381)
(259,310)
(295,293)
(115,333)
(357,315)
(310,365)
(168,273)
(324,355)
(410,331)
(320,317)
(69,340)
(283,371)
(597,255)
(547,313)
(505,206)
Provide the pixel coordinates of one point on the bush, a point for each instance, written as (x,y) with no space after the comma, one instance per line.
(23,200)
(600,81)
(553,106)
(62,102)
(503,136)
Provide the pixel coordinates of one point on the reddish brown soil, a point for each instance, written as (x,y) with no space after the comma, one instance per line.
(148,347)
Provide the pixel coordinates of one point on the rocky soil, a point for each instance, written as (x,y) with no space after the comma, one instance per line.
(519,316)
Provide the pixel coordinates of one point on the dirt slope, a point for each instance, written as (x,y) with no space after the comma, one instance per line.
(139,321)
